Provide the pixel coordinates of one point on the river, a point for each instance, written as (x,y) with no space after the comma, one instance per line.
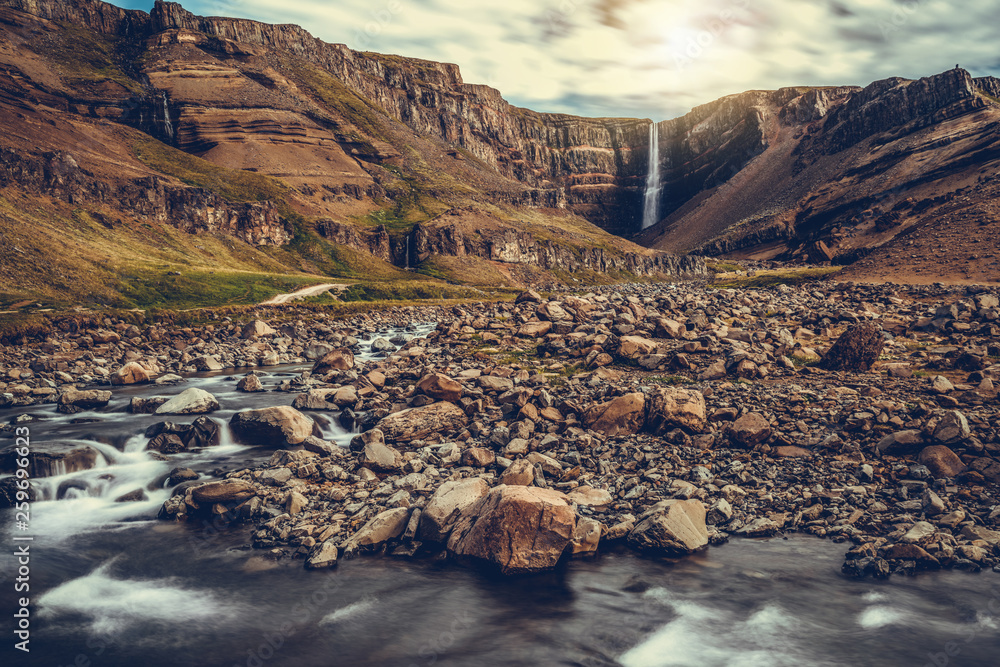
(111,585)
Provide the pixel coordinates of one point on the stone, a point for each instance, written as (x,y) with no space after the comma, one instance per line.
(932,503)
(478,457)
(419,423)
(759,527)
(225,491)
(529,296)
(321,447)
(191,401)
(941,461)
(494,383)
(952,428)
(633,347)
(901,442)
(856,350)
(750,430)
(671,408)
(672,528)
(207,364)
(145,406)
(250,384)
(271,427)
(520,473)
(295,503)
(440,387)
(624,415)
(920,532)
(322,555)
(385,526)
(941,385)
(446,506)
(586,536)
(587,496)
(534,329)
(516,529)
(257,329)
(166,443)
(381,458)
(179,475)
(339,360)
(130,373)
(74,400)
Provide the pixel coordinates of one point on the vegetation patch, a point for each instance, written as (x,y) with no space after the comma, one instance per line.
(407,291)
(791,277)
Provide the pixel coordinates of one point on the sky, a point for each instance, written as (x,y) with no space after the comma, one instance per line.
(648,58)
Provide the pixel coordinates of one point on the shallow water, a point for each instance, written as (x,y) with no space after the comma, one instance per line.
(110,585)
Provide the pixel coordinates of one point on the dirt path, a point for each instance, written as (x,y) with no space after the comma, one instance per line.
(315,290)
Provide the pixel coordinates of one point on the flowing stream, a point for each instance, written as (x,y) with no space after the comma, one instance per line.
(112,584)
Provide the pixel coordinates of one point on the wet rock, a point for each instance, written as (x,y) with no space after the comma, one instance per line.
(586,536)
(385,526)
(9,490)
(440,387)
(146,406)
(250,384)
(624,415)
(759,527)
(339,360)
(672,528)
(136,496)
(207,363)
(446,506)
(750,430)
(189,402)
(856,350)
(272,427)
(50,459)
(322,555)
(419,423)
(74,400)
(516,529)
(671,408)
(180,475)
(166,443)
(225,491)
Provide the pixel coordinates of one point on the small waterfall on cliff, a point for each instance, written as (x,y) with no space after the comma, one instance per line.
(167,123)
(409,245)
(651,205)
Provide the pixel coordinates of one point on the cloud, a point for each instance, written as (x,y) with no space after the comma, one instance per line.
(651,58)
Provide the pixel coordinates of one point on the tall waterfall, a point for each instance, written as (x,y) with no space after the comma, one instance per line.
(167,123)
(651,206)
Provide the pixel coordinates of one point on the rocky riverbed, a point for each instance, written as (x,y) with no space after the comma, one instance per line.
(665,417)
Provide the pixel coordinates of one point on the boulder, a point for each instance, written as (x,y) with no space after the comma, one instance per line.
(419,423)
(191,401)
(901,442)
(516,529)
(624,415)
(529,296)
(952,428)
(130,373)
(440,387)
(145,406)
(257,329)
(750,430)
(225,491)
(478,457)
(856,350)
(274,427)
(520,473)
(671,408)
(208,363)
(446,505)
(672,528)
(633,347)
(941,461)
(385,526)
(586,536)
(322,555)
(381,458)
(74,400)
(587,496)
(250,384)
(339,360)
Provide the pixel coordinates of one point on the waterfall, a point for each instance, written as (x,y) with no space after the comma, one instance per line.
(651,205)
(409,243)
(167,123)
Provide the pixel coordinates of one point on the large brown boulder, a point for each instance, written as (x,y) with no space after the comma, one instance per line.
(418,423)
(275,427)
(941,461)
(338,360)
(225,491)
(749,430)
(624,415)
(515,528)
(671,408)
(74,400)
(446,505)
(672,528)
(856,350)
(130,373)
(440,387)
